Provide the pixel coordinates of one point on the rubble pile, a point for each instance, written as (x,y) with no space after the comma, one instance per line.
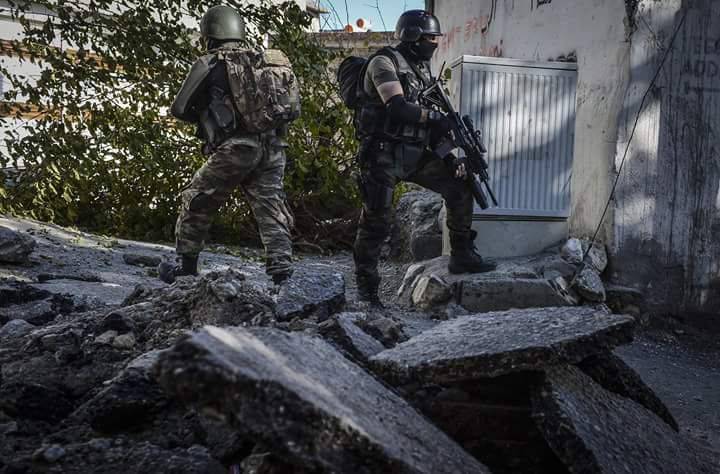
(556,277)
(417,227)
(225,371)
(84,378)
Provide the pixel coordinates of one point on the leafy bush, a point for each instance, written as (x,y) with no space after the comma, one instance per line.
(101,152)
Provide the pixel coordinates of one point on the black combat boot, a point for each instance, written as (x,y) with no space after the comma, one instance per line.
(463,256)
(279,279)
(368,290)
(184,265)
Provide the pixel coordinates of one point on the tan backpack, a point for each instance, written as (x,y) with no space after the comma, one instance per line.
(264,88)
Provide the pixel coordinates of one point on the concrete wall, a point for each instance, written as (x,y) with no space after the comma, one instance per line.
(357,44)
(667,217)
(664,221)
(593,31)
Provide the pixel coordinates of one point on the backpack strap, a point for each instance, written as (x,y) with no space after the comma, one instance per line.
(405,66)
(386,51)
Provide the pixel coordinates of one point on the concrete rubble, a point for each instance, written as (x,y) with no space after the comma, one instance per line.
(299,394)
(15,247)
(416,233)
(589,429)
(498,343)
(224,372)
(344,333)
(555,277)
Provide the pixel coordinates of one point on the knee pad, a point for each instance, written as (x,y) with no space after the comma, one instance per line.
(194,200)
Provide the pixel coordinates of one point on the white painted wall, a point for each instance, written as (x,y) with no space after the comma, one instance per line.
(522,29)
(664,222)
(667,217)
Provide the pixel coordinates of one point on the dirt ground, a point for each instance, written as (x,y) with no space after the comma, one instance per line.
(684,370)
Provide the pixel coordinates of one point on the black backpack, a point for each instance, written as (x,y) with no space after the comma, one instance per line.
(350,75)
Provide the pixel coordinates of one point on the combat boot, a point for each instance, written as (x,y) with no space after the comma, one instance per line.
(368,290)
(280,279)
(464,257)
(185,265)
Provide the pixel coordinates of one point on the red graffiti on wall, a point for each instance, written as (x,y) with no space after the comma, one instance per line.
(471,28)
(474,27)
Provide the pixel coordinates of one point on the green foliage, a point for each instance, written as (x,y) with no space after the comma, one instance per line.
(101,152)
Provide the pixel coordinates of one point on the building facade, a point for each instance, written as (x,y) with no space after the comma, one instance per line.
(663,217)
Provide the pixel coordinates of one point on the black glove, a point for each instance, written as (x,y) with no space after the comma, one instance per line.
(458,166)
(439,123)
(440,126)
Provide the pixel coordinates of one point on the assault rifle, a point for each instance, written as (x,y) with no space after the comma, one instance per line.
(465,137)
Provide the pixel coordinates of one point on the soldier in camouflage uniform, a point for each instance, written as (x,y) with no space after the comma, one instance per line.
(255,162)
(397,135)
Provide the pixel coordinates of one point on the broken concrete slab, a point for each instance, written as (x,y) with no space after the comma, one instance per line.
(129,400)
(297,394)
(416,234)
(35,313)
(623,299)
(429,291)
(497,343)
(590,286)
(343,332)
(596,256)
(15,247)
(12,293)
(510,269)
(572,251)
(314,290)
(15,329)
(77,276)
(485,294)
(411,274)
(613,374)
(141,260)
(563,287)
(90,294)
(551,266)
(594,430)
(388,331)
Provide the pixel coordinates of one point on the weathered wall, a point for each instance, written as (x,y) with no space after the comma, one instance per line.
(358,44)
(667,218)
(594,32)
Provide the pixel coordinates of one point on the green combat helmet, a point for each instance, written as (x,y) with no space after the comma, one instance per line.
(222,23)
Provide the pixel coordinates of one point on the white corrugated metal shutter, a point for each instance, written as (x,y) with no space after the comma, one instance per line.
(526,111)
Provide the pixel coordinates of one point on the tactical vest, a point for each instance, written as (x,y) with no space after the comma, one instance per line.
(372,118)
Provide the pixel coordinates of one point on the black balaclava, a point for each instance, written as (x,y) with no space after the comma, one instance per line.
(424,49)
(420,50)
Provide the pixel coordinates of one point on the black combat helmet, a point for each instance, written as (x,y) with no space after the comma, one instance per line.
(415,23)
(222,23)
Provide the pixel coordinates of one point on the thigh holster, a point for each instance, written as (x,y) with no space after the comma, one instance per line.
(375,194)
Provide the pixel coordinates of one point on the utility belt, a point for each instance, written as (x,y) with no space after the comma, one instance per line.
(374,122)
(402,157)
(382,162)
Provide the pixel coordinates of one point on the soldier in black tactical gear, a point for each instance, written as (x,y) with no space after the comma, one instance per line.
(238,157)
(396,137)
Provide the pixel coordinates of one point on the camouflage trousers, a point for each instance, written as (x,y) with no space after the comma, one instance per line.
(381,169)
(256,164)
